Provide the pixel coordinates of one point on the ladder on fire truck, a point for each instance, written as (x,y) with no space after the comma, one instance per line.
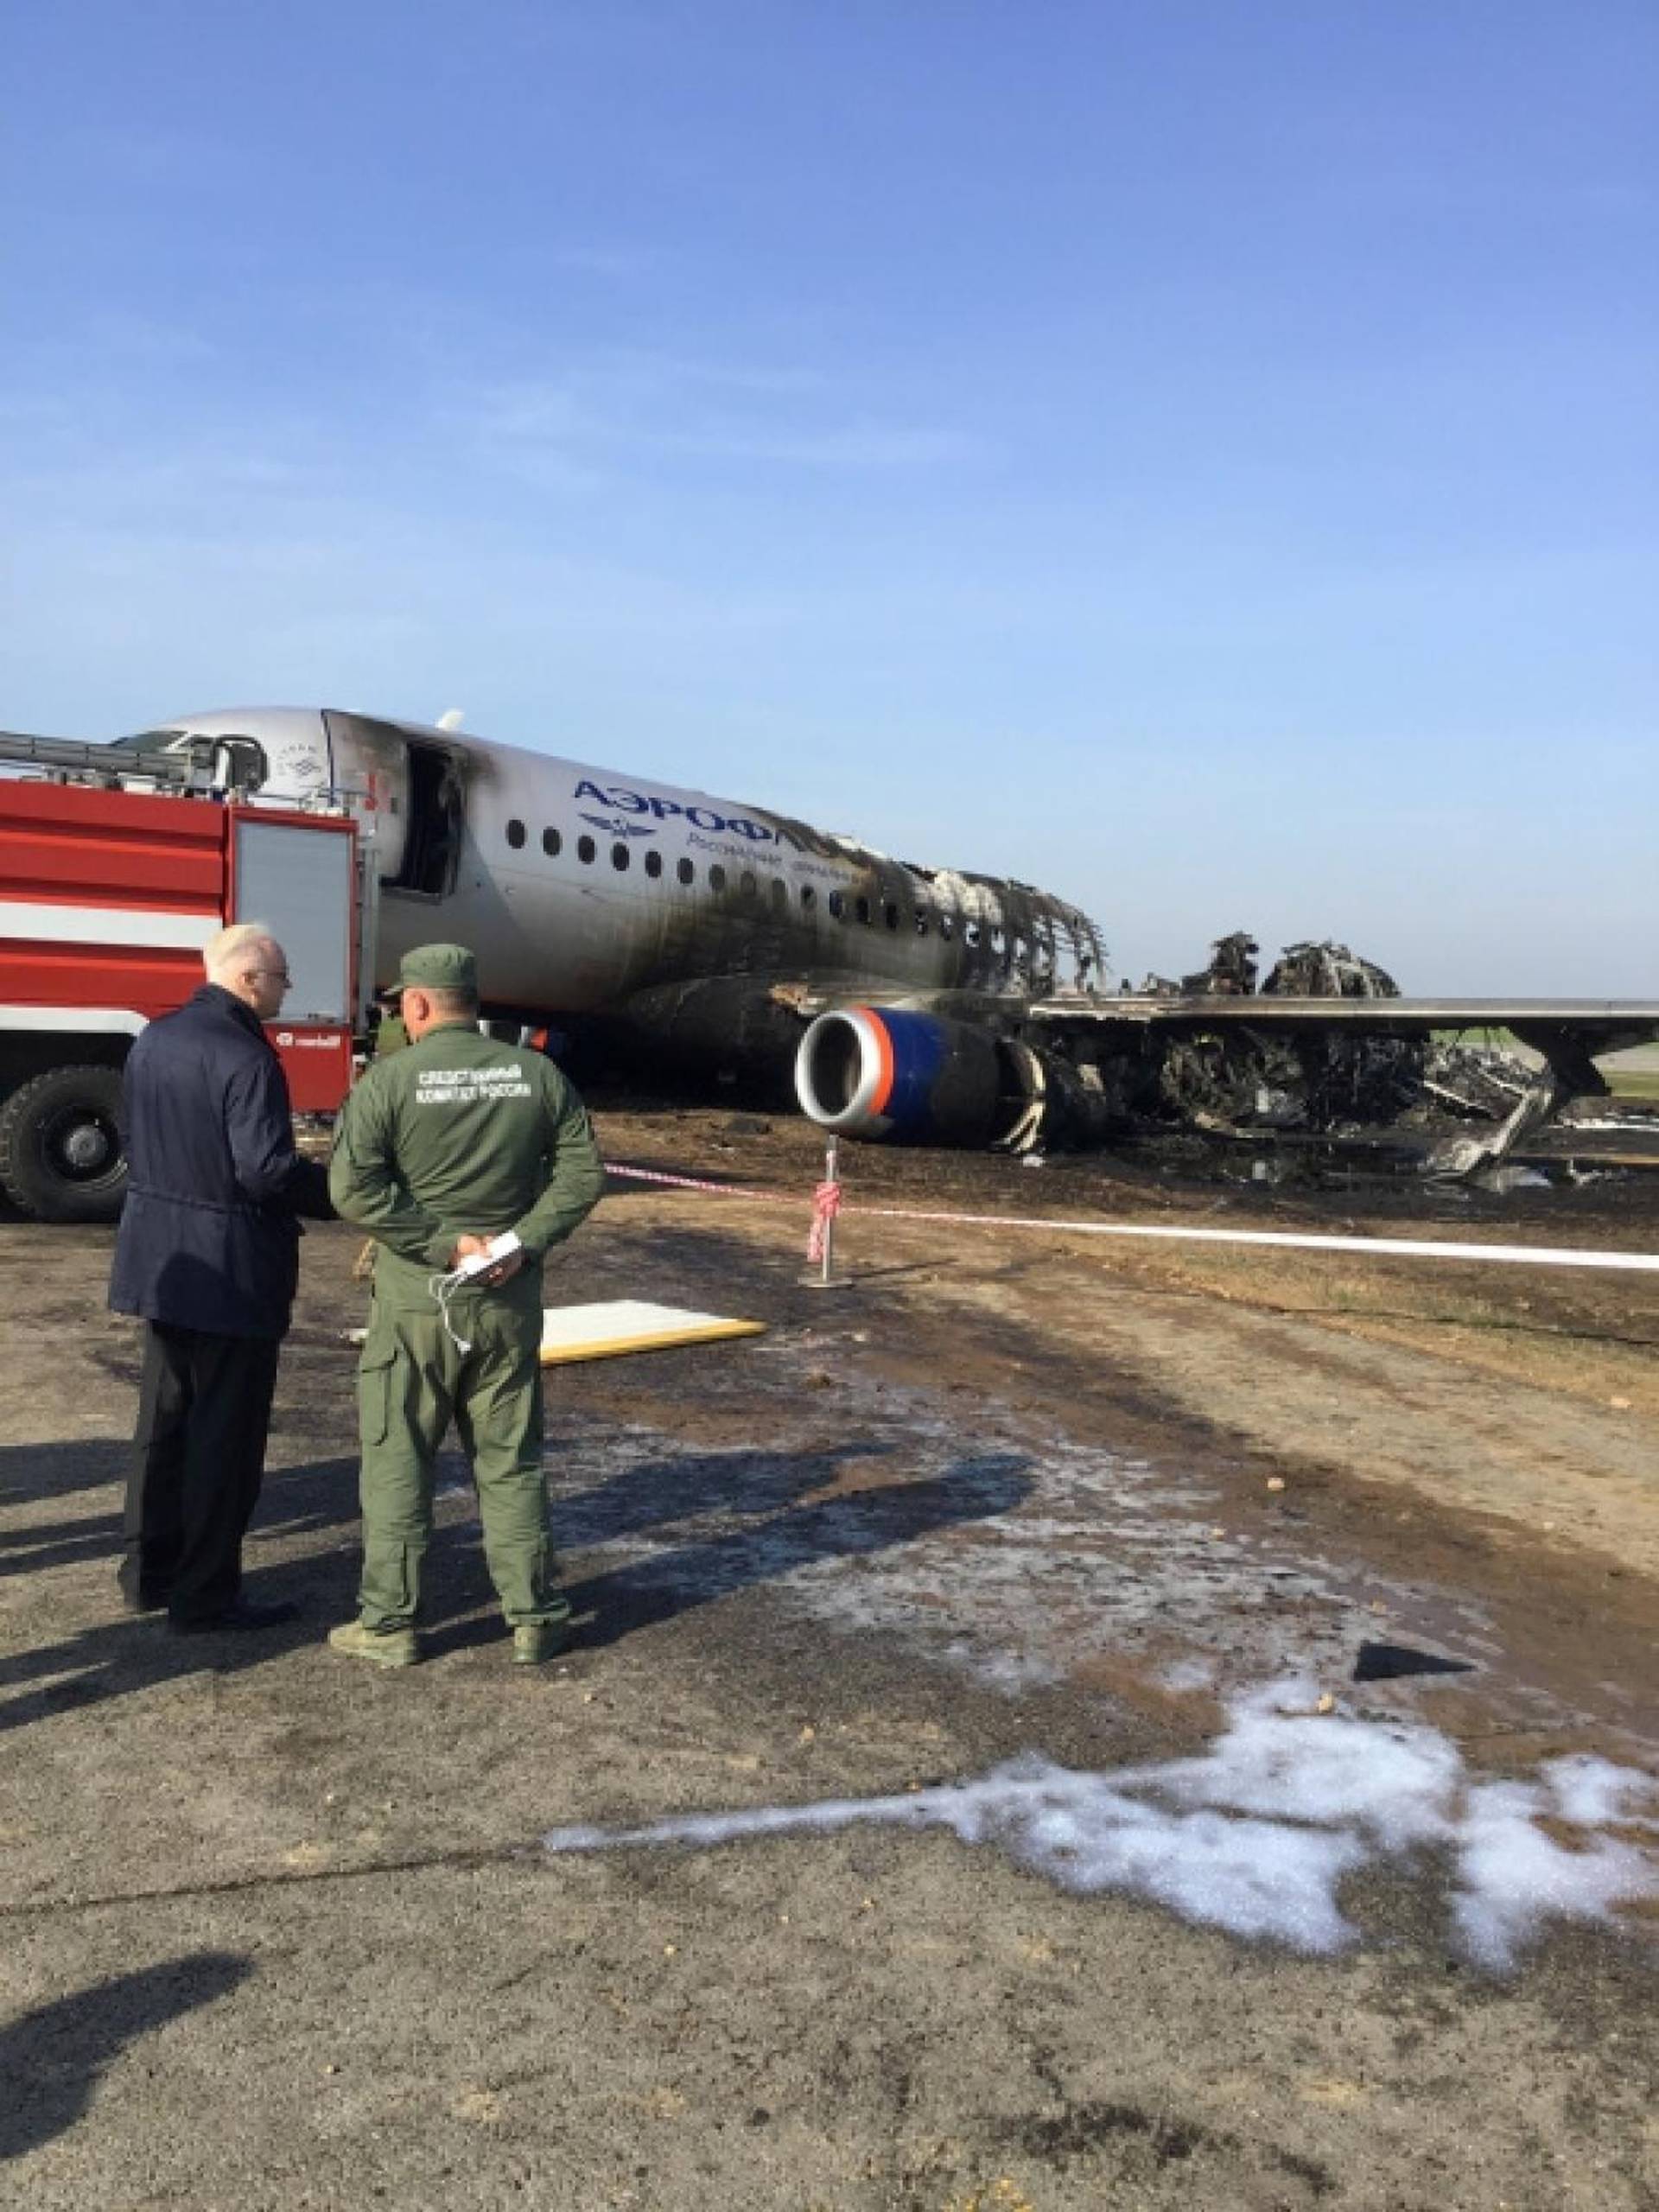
(209,767)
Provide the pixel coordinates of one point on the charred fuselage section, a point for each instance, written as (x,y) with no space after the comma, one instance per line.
(1317,1078)
(684,940)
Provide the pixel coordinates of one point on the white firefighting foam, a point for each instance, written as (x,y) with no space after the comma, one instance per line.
(1257,1835)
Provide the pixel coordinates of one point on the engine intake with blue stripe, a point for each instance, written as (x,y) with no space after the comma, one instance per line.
(881,1073)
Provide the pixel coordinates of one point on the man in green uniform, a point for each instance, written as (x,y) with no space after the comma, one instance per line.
(440,1148)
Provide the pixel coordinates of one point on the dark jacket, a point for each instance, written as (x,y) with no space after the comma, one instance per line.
(208,1238)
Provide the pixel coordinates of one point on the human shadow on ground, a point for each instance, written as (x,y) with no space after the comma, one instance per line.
(31,1472)
(754,1529)
(684,1486)
(677,1487)
(754,1519)
(850,1527)
(58,1543)
(50,2059)
(130,1652)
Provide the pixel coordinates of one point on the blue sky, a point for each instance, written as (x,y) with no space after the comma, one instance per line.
(1197,456)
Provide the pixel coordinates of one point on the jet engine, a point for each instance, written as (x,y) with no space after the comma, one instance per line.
(878,1072)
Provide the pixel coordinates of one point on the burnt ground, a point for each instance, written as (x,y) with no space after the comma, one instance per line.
(280,1931)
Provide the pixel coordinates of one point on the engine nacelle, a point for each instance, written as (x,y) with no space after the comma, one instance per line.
(878,1072)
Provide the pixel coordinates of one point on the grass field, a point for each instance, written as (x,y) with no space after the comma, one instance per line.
(1633,1075)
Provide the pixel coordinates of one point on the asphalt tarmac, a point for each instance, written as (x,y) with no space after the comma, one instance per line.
(1122,1530)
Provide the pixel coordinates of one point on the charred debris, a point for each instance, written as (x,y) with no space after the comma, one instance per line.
(1448,1107)
(1320,1083)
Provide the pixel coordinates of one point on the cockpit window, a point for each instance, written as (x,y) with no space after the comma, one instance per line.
(150,740)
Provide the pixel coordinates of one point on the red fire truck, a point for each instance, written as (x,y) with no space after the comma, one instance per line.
(110,884)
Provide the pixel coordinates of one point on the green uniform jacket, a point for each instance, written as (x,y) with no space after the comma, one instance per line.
(457,1135)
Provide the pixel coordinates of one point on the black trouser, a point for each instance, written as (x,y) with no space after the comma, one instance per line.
(204,1406)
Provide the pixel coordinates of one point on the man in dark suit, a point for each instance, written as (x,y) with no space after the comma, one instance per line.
(207,1253)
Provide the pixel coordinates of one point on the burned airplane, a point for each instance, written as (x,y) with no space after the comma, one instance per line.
(675,933)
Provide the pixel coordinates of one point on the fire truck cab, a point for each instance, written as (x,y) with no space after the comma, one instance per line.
(111,881)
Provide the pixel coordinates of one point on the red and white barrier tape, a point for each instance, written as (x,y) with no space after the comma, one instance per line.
(827,1207)
(694,1183)
(826,1204)
(826,1200)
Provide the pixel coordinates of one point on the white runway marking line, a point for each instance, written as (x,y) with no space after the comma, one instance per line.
(1255,1835)
(1411,1248)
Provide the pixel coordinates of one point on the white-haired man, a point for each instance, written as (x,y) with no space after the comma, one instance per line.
(207,1253)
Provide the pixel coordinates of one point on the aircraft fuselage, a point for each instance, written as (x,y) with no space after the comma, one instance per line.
(579,888)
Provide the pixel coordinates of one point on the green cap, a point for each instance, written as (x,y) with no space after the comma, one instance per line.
(436,968)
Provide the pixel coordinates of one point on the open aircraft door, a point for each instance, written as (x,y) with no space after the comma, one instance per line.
(409,793)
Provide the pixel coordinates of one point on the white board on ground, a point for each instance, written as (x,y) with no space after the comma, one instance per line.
(625,1324)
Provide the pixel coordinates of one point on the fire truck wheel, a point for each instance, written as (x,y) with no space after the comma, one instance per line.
(61,1156)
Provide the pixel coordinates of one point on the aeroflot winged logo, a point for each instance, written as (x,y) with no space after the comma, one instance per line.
(659,809)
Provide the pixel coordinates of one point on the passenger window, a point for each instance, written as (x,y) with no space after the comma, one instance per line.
(837,905)
(585,850)
(619,856)
(947,926)
(890,915)
(685,871)
(551,842)
(716,877)
(864,911)
(746,885)
(779,891)
(515,834)
(654,862)
(972,933)
(921,922)
(809,898)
